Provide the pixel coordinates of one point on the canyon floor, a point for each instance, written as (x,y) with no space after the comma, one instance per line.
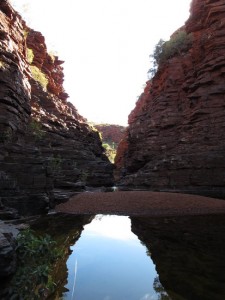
(141,203)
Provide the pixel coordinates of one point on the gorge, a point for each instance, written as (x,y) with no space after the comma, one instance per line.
(174,141)
(52,160)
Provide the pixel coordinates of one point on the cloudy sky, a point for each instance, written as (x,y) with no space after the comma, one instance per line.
(106,46)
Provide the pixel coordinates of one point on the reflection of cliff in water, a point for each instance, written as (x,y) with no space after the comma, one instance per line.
(65,229)
(188,253)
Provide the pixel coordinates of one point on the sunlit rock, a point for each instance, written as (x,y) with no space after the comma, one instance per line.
(175,138)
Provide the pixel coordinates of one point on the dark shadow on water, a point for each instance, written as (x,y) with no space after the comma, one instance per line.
(188,253)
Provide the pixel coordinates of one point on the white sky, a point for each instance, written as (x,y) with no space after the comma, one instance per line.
(110,226)
(106,46)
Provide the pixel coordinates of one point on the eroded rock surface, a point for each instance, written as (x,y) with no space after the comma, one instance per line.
(176,138)
(47,150)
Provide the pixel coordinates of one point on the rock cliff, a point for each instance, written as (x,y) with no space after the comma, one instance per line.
(47,150)
(176,139)
(111,134)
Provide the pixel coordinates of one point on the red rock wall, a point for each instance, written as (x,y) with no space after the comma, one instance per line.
(15,87)
(176,137)
(50,65)
(111,133)
(47,150)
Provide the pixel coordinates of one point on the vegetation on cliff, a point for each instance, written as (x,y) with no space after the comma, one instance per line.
(109,151)
(175,138)
(39,76)
(179,42)
(111,135)
(46,145)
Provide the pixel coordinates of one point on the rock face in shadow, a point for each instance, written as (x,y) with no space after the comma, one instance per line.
(47,150)
(7,257)
(189,257)
(176,138)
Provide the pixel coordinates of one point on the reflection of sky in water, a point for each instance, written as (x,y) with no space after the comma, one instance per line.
(108,262)
(114,227)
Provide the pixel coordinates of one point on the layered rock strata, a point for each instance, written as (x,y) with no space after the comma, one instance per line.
(47,150)
(176,138)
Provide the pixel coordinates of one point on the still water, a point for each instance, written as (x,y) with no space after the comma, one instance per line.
(133,258)
(109,262)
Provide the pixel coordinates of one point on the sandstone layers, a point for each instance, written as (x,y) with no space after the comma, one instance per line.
(176,137)
(47,150)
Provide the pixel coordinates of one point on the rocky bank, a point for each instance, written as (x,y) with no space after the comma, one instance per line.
(176,139)
(47,150)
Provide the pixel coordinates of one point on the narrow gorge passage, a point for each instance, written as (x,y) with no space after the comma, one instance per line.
(63,172)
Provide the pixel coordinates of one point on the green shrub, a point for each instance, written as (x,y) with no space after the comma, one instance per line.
(35,128)
(180,42)
(55,164)
(106,146)
(84,175)
(39,76)
(6,136)
(30,55)
(110,151)
(35,259)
